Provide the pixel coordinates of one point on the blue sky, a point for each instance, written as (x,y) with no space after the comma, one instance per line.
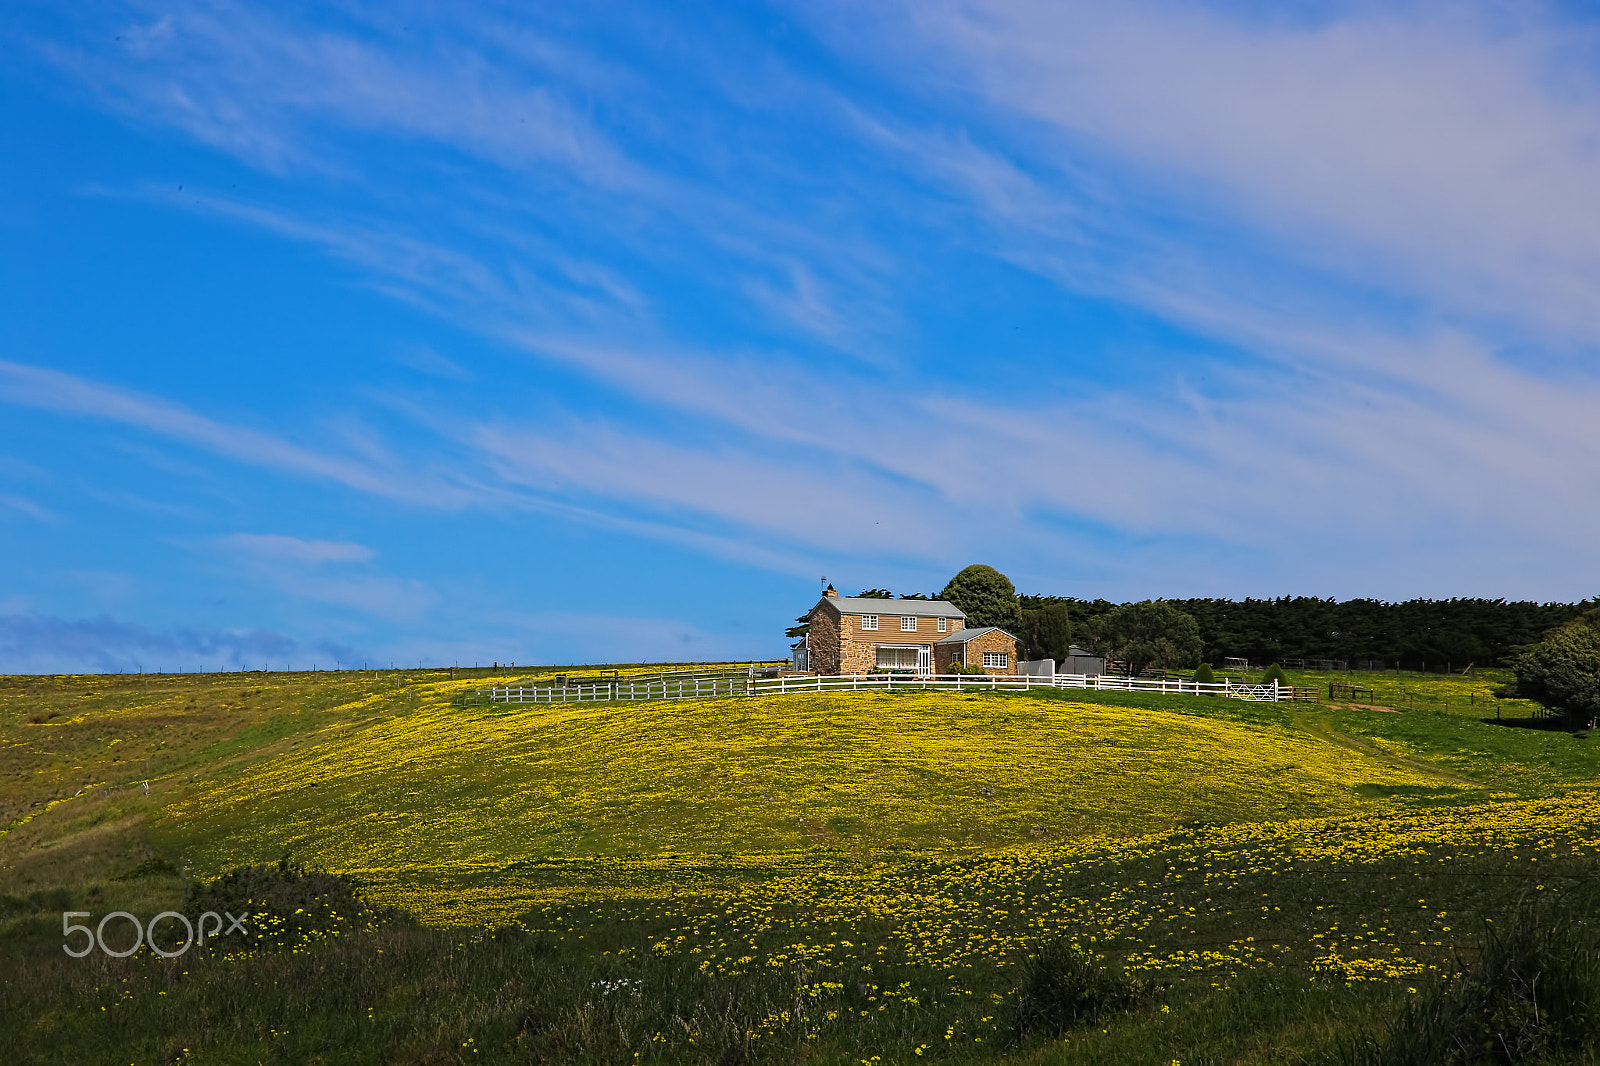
(558,334)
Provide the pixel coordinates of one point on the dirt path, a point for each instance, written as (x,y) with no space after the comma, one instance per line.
(1316,723)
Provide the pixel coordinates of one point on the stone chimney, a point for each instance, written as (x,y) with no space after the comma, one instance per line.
(829,591)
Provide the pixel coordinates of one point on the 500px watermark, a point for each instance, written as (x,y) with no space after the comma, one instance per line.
(146,934)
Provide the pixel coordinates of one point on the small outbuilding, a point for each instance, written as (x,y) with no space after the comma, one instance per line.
(1080,661)
(987,646)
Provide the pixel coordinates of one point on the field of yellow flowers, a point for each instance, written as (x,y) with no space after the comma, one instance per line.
(461,793)
(973,825)
(859,877)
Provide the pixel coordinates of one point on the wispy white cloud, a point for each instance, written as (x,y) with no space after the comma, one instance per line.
(36,643)
(276,546)
(570,637)
(319,571)
(53,390)
(1442,150)
(766,497)
(23,505)
(249,82)
(427,361)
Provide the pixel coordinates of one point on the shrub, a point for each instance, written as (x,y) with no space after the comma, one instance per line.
(1065,985)
(1204,674)
(287,903)
(1274,673)
(1562,671)
(1531,995)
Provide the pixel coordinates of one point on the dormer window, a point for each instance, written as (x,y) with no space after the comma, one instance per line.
(869,621)
(908,623)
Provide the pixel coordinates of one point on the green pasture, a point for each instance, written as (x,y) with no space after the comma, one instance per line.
(810,878)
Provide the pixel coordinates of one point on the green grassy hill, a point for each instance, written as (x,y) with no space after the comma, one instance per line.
(465,793)
(848,876)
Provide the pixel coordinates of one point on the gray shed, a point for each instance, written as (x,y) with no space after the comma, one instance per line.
(1079,661)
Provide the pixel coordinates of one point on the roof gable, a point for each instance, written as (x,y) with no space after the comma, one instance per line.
(961,636)
(890,608)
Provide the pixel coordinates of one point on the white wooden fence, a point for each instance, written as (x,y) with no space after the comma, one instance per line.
(681,689)
(777,686)
(707,687)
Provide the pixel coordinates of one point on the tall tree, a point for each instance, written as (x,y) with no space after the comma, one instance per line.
(1148,633)
(986,596)
(1047,631)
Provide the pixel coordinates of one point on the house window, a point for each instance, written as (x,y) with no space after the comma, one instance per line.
(869,621)
(908,623)
(996,660)
(944,623)
(897,658)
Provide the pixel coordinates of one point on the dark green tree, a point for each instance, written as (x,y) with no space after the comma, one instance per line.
(1204,674)
(1274,673)
(875,594)
(1047,632)
(1562,671)
(1147,633)
(987,597)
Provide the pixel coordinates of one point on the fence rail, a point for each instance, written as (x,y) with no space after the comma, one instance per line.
(679,689)
(709,687)
(778,686)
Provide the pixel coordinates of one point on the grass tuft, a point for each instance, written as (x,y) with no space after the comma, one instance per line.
(1530,993)
(1065,985)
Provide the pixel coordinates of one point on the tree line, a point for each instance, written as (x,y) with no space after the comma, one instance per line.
(1416,634)
(1412,634)
(1553,647)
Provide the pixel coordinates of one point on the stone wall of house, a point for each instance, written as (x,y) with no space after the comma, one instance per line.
(858,653)
(823,639)
(998,640)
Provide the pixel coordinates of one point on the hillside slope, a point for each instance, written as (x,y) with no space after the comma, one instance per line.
(464,790)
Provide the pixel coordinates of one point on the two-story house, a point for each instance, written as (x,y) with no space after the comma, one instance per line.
(861,635)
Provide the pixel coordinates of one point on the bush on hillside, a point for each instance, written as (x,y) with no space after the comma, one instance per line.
(1274,673)
(1065,985)
(1204,674)
(1531,995)
(1562,671)
(287,903)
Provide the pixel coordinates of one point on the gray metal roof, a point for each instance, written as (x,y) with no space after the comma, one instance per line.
(961,636)
(890,608)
